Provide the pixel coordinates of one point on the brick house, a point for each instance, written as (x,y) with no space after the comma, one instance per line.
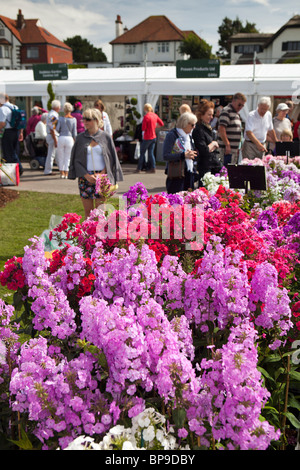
(24,43)
(156,38)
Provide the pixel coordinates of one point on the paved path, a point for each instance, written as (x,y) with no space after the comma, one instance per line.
(34,180)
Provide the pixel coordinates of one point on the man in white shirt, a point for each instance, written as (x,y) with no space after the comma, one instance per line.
(51,137)
(10,138)
(259,124)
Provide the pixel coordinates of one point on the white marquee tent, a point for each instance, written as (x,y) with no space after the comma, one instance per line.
(148,83)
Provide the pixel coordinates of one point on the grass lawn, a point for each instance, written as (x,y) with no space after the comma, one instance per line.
(27,216)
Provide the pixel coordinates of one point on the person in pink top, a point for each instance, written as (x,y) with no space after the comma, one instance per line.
(34,119)
(77,114)
(149,124)
(296,129)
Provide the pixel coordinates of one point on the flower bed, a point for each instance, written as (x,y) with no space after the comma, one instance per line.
(152,336)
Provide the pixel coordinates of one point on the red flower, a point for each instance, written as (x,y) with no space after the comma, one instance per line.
(13,276)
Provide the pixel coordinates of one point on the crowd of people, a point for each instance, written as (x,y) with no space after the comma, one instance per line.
(80,142)
(201,141)
(219,137)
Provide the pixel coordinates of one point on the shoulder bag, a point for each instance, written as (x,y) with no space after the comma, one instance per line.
(176,169)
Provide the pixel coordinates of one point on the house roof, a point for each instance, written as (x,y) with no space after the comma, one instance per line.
(246,37)
(32,32)
(11,25)
(294,22)
(153,28)
(287,56)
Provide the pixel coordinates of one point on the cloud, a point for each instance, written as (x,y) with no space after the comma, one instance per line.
(61,19)
(250,3)
(97,24)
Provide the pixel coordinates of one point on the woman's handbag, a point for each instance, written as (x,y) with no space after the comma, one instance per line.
(214,163)
(176,169)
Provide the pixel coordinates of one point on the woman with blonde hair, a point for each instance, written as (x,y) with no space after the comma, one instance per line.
(93,153)
(106,121)
(67,132)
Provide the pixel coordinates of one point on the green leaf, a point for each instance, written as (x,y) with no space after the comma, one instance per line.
(293,420)
(294,403)
(24,443)
(271,410)
(273,358)
(18,300)
(295,375)
(179,415)
(265,374)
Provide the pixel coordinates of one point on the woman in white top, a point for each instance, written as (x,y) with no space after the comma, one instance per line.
(106,122)
(281,122)
(67,130)
(93,153)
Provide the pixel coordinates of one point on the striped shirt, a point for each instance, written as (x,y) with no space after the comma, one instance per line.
(231,120)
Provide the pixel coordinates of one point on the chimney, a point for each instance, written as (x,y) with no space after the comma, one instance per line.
(20,20)
(119,26)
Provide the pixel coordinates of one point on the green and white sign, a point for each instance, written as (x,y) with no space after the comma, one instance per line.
(198,68)
(50,72)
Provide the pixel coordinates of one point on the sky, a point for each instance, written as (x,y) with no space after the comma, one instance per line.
(95,20)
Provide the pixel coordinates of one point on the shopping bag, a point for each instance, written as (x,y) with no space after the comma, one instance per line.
(137,151)
(9,174)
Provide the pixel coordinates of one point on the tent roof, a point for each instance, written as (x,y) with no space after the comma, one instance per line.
(270,79)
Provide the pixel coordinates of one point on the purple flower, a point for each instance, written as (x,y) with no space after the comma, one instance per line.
(182,432)
(293,225)
(267,220)
(232,395)
(136,194)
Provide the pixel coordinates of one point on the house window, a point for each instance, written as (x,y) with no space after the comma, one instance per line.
(2,32)
(129,48)
(32,52)
(162,47)
(248,48)
(6,52)
(291,46)
(1,56)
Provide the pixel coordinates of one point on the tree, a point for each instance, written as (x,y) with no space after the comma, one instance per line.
(229,28)
(51,95)
(195,47)
(84,51)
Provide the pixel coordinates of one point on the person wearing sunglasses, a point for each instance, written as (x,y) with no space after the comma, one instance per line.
(179,147)
(93,153)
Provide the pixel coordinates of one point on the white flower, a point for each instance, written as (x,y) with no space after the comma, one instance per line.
(127,445)
(83,443)
(149,433)
(143,421)
(117,430)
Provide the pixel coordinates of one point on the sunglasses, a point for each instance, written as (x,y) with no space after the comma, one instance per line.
(87,119)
